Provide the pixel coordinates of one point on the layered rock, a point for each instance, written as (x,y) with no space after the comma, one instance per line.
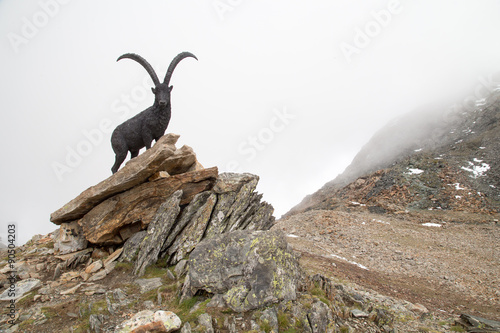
(135,172)
(161,204)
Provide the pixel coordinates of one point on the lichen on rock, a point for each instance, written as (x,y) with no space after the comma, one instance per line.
(250,269)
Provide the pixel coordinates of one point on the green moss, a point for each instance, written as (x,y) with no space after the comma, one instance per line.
(26,299)
(299,325)
(26,324)
(49,312)
(154,271)
(125,266)
(344,329)
(283,322)
(265,325)
(185,312)
(457,329)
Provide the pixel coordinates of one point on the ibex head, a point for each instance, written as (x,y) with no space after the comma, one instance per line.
(161,90)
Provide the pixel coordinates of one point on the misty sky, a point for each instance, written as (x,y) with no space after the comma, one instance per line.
(288,90)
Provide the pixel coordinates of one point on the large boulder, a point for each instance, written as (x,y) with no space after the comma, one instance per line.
(249,269)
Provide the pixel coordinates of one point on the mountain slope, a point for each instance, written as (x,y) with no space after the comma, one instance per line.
(424,160)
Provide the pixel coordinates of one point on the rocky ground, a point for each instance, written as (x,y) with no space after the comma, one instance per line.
(447,262)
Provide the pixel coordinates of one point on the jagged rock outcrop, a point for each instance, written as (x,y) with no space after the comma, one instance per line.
(161,204)
(250,270)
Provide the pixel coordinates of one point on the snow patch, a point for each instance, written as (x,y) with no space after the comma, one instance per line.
(292,236)
(436,225)
(349,261)
(457,186)
(477,170)
(380,221)
(414,171)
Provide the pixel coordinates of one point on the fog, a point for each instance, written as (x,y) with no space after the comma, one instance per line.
(287,90)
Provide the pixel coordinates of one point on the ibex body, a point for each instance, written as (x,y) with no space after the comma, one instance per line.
(140,130)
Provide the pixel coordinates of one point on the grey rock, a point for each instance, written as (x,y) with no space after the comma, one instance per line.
(186,216)
(170,275)
(57,272)
(147,321)
(96,322)
(69,238)
(205,320)
(192,234)
(250,269)
(230,324)
(146,285)
(149,304)
(131,247)
(320,317)
(21,288)
(115,299)
(186,328)
(473,323)
(359,314)
(181,268)
(157,233)
(217,302)
(270,316)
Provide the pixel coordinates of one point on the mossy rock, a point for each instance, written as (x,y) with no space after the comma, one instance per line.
(250,269)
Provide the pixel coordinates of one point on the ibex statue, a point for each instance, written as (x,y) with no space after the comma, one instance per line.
(140,130)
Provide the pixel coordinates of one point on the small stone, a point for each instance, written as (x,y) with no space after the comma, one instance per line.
(186,328)
(149,304)
(98,276)
(94,267)
(71,291)
(96,321)
(146,285)
(205,320)
(180,268)
(112,257)
(419,308)
(99,254)
(217,302)
(170,275)
(84,276)
(359,314)
(109,267)
(40,267)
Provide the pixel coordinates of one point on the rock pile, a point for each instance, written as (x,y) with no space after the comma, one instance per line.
(160,204)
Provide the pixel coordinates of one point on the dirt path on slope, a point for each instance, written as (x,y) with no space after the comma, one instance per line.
(452,268)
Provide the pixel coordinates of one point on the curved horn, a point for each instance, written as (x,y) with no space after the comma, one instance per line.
(174,63)
(144,64)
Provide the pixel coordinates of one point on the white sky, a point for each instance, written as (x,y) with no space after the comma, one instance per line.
(308,61)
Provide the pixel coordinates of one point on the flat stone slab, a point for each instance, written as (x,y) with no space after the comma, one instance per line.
(105,222)
(135,172)
(19,289)
(146,285)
